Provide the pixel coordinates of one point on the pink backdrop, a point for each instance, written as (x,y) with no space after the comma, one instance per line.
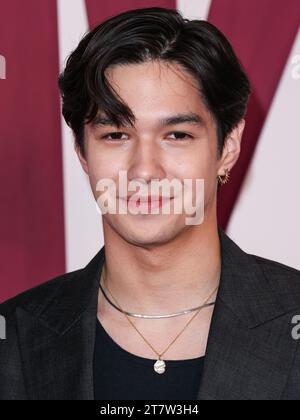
(32,238)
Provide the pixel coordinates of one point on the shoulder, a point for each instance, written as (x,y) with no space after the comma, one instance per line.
(12,382)
(261,272)
(53,306)
(36,297)
(276,270)
(74,286)
(280,280)
(259,287)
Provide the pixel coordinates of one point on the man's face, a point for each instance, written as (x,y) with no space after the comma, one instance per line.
(149,150)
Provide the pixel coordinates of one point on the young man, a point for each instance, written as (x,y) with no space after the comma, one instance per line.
(167,309)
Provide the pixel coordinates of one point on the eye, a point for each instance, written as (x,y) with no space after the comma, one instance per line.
(115,136)
(181,135)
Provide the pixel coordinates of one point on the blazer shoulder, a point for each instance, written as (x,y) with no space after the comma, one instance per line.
(275,267)
(68,285)
(282,278)
(38,295)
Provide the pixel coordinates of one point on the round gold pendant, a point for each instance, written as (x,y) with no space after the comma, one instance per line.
(160,367)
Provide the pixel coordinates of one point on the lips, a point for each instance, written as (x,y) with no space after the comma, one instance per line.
(149,199)
(146,203)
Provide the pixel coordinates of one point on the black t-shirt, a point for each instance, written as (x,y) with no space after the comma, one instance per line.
(120,375)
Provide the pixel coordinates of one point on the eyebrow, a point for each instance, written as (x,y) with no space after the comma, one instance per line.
(188,118)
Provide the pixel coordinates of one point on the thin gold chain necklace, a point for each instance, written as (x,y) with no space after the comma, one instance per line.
(159,365)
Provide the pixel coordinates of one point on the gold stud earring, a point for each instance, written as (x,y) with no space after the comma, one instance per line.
(223,179)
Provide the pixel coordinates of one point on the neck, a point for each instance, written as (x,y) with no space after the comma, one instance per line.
(175,276)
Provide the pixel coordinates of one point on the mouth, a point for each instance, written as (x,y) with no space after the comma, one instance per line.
(150,199)
(147,203)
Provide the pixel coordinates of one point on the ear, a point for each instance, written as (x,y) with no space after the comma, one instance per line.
(231,149)
(82,159)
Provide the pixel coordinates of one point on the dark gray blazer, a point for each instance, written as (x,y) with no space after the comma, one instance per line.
(251,355)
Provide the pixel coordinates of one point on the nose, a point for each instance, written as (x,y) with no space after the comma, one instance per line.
(146,162)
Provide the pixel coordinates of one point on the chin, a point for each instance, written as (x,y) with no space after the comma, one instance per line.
(148,233)
(148,241)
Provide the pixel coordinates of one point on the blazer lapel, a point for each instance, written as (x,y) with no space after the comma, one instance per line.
(57,338)
(250,349)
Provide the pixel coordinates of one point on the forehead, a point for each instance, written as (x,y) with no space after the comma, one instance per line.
(157,87)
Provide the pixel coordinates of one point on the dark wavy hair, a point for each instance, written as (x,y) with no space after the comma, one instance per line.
(137,36)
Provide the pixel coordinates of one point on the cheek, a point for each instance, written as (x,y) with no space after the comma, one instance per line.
(200,164)
(99,169)
(196,164)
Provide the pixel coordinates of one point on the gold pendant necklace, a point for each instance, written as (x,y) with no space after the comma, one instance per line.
(160,365)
